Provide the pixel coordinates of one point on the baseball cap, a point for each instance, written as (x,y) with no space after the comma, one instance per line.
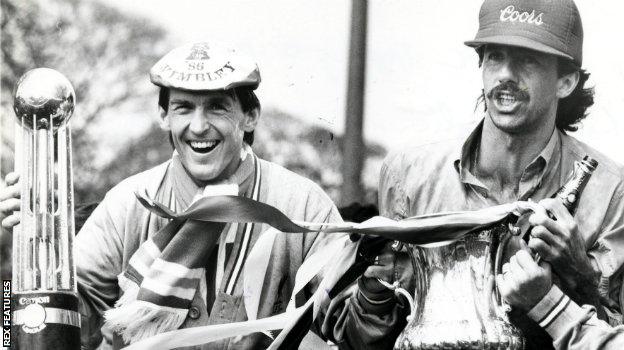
(549,26)
(205,66)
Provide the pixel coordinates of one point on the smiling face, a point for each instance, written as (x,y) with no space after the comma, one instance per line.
(207,129)
(521,88)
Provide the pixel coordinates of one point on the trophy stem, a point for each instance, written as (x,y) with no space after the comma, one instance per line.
(42,190)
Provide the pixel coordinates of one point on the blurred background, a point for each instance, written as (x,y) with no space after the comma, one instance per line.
(411,80)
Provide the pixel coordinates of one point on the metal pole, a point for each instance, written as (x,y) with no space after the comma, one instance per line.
(353,151)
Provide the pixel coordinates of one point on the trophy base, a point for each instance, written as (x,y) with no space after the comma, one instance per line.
(45,320)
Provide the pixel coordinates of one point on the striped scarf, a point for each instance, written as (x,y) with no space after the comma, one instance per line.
(164,274)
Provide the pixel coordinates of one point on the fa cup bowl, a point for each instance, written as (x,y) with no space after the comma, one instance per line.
(456,302)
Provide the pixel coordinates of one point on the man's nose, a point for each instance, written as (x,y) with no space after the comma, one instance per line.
(199,122)
(507,71)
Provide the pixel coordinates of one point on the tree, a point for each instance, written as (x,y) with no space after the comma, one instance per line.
(106,55)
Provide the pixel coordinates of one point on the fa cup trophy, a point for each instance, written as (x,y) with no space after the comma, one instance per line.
(456,302)
(45,298)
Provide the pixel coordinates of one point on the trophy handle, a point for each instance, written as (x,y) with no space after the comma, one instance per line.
(420,263)
(396,286)
(501,307)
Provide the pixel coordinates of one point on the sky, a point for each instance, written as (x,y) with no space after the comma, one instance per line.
(422,82)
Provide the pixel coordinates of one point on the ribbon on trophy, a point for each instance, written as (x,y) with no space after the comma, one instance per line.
(349,259)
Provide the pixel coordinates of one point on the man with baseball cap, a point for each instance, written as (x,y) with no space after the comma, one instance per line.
(145,275)
(530,54)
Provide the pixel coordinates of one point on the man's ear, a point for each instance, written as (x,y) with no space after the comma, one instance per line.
(164,119)
(251,120)
(567,83)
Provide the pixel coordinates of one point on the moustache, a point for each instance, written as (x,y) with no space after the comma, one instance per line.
(509,88)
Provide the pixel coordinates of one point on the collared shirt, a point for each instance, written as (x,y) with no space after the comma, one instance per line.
(435,178)
(542,169)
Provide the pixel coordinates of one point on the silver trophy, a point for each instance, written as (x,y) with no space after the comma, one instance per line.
(456,302)
(457,305)
(45,297)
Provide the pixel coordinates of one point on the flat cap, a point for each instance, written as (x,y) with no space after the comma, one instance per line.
(204,66)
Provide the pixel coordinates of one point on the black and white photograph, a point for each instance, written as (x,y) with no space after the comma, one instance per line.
(328,174)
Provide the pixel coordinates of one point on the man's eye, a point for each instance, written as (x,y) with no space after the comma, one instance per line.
(217,107)
(529,60)
(181,108)
(495,56)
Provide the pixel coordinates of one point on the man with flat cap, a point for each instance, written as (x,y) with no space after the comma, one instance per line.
(148,276)
(534,94)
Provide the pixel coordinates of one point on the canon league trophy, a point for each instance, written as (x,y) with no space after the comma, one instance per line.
(45,298)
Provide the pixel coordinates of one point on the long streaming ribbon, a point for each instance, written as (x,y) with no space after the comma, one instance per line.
(348,260)
(437,229)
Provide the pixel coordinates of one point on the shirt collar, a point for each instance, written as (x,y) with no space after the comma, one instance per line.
(462,159)
(548,152)
(543,162)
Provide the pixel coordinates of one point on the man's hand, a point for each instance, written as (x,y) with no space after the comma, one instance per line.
(10,201)
(382,268)
(523,282)
(389,266)
(559,242)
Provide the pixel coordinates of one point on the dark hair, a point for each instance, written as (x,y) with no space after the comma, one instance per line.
(244,94)
(572,109)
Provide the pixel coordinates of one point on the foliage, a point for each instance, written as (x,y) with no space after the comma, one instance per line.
(104,53)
